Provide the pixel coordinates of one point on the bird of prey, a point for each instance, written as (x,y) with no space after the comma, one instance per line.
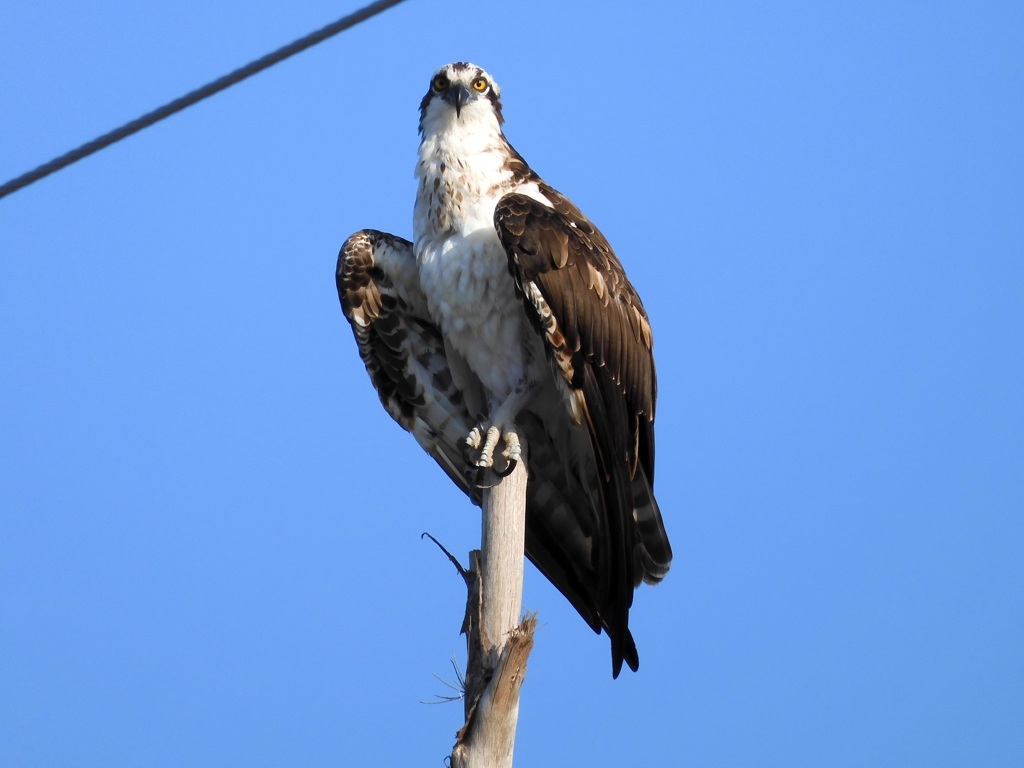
(507,331)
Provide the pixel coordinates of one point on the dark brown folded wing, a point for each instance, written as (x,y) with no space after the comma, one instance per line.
(599,340)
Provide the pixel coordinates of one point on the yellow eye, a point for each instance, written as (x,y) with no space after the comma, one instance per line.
(439,83)
(480,84)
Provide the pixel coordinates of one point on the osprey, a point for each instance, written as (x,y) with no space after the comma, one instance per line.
(509,316)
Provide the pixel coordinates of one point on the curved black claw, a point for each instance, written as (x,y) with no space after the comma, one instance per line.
(507,470)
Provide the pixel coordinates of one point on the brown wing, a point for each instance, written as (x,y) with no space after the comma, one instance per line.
(403,351)
(599,340)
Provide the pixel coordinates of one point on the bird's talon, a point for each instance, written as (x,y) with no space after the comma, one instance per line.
(513,450)
(482,445)
(486,459)
(508,470)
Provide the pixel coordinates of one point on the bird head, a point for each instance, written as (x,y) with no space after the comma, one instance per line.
(461,91)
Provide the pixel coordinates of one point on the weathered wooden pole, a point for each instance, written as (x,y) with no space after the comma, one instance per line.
(498,645)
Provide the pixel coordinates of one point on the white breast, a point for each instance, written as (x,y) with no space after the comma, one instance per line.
(470,295)
(463,268)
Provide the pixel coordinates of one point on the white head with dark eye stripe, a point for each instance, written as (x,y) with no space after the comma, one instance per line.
(461,91)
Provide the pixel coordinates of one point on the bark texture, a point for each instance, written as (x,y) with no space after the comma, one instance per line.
(498,644)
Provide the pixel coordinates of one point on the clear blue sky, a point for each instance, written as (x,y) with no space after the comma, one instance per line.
(209,529)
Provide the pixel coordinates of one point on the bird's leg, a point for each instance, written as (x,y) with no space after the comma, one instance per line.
(500,427)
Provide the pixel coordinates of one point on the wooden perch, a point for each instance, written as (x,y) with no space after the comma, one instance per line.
(498,645)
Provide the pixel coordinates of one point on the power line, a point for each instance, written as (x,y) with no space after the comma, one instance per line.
(197,95)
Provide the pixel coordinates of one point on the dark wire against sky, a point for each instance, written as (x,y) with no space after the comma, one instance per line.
(197,95)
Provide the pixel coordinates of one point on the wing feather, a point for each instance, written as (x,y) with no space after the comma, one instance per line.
(598,336)
(402,349)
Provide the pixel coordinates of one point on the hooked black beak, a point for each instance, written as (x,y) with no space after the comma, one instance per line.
(457,95)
